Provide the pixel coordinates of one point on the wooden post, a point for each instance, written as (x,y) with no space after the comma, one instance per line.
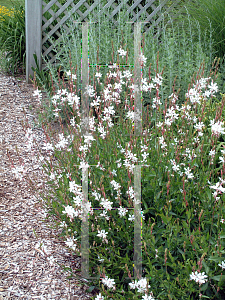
(33,24)
(137,170)
(84,81)
(137,80)
(85,131)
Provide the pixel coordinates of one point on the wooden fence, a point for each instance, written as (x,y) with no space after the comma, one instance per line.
(35,29)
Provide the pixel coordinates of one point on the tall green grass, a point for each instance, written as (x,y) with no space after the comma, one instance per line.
(210,15)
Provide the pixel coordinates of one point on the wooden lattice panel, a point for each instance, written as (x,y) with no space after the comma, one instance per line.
(89,8)
(38,26)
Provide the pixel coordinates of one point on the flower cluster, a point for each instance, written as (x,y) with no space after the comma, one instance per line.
(198,277)
(142,286)
(110,283)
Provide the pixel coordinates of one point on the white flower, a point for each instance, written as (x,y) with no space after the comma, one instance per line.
(52,176)
(102,233)
(89,90)
(86,207)
(203,82)
(221,158)
(73,75)
(69,210)
(96,195)
(133,285)
(198,277)
(108,282)
(73,99)
(213,87)
(218,187)
(171,113)
(48,146)
(83,148)
(98,74)
(77,200)
(199,126)
(88,138)
(115,184)
(146,297)
(217,128)
(158,79)
(159,125)
(100,260)
(70,243)
(114,172)
(74,187)
(63,224)
(127,74)
(106,204)
(141,285)
(194,96)
(131,218)
(212,152)
(122,52)
(104,214)
(72,122)
(222,265)
(207,94)
(175,168)
(62,143)
(37,93)
(99,297)
(122,211)
(174,97)
(187,172)
(168,122)
(113,66)
(142,59)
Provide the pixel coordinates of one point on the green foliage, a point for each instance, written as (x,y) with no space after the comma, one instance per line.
(181,51)
(182,221)
(12,40)
(10,3)
(210,15)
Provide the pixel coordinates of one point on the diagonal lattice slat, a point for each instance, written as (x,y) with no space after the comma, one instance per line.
(59,18)
(75,8)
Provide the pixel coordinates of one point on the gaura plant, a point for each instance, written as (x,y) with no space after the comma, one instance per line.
(182,220)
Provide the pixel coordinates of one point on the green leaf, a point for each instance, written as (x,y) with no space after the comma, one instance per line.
(90,289)
(206,267)
(181,252)
(165,219)
(216,259)
(204,287)
(218,277)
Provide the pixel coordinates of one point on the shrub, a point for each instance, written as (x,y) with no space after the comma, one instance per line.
(12,39)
